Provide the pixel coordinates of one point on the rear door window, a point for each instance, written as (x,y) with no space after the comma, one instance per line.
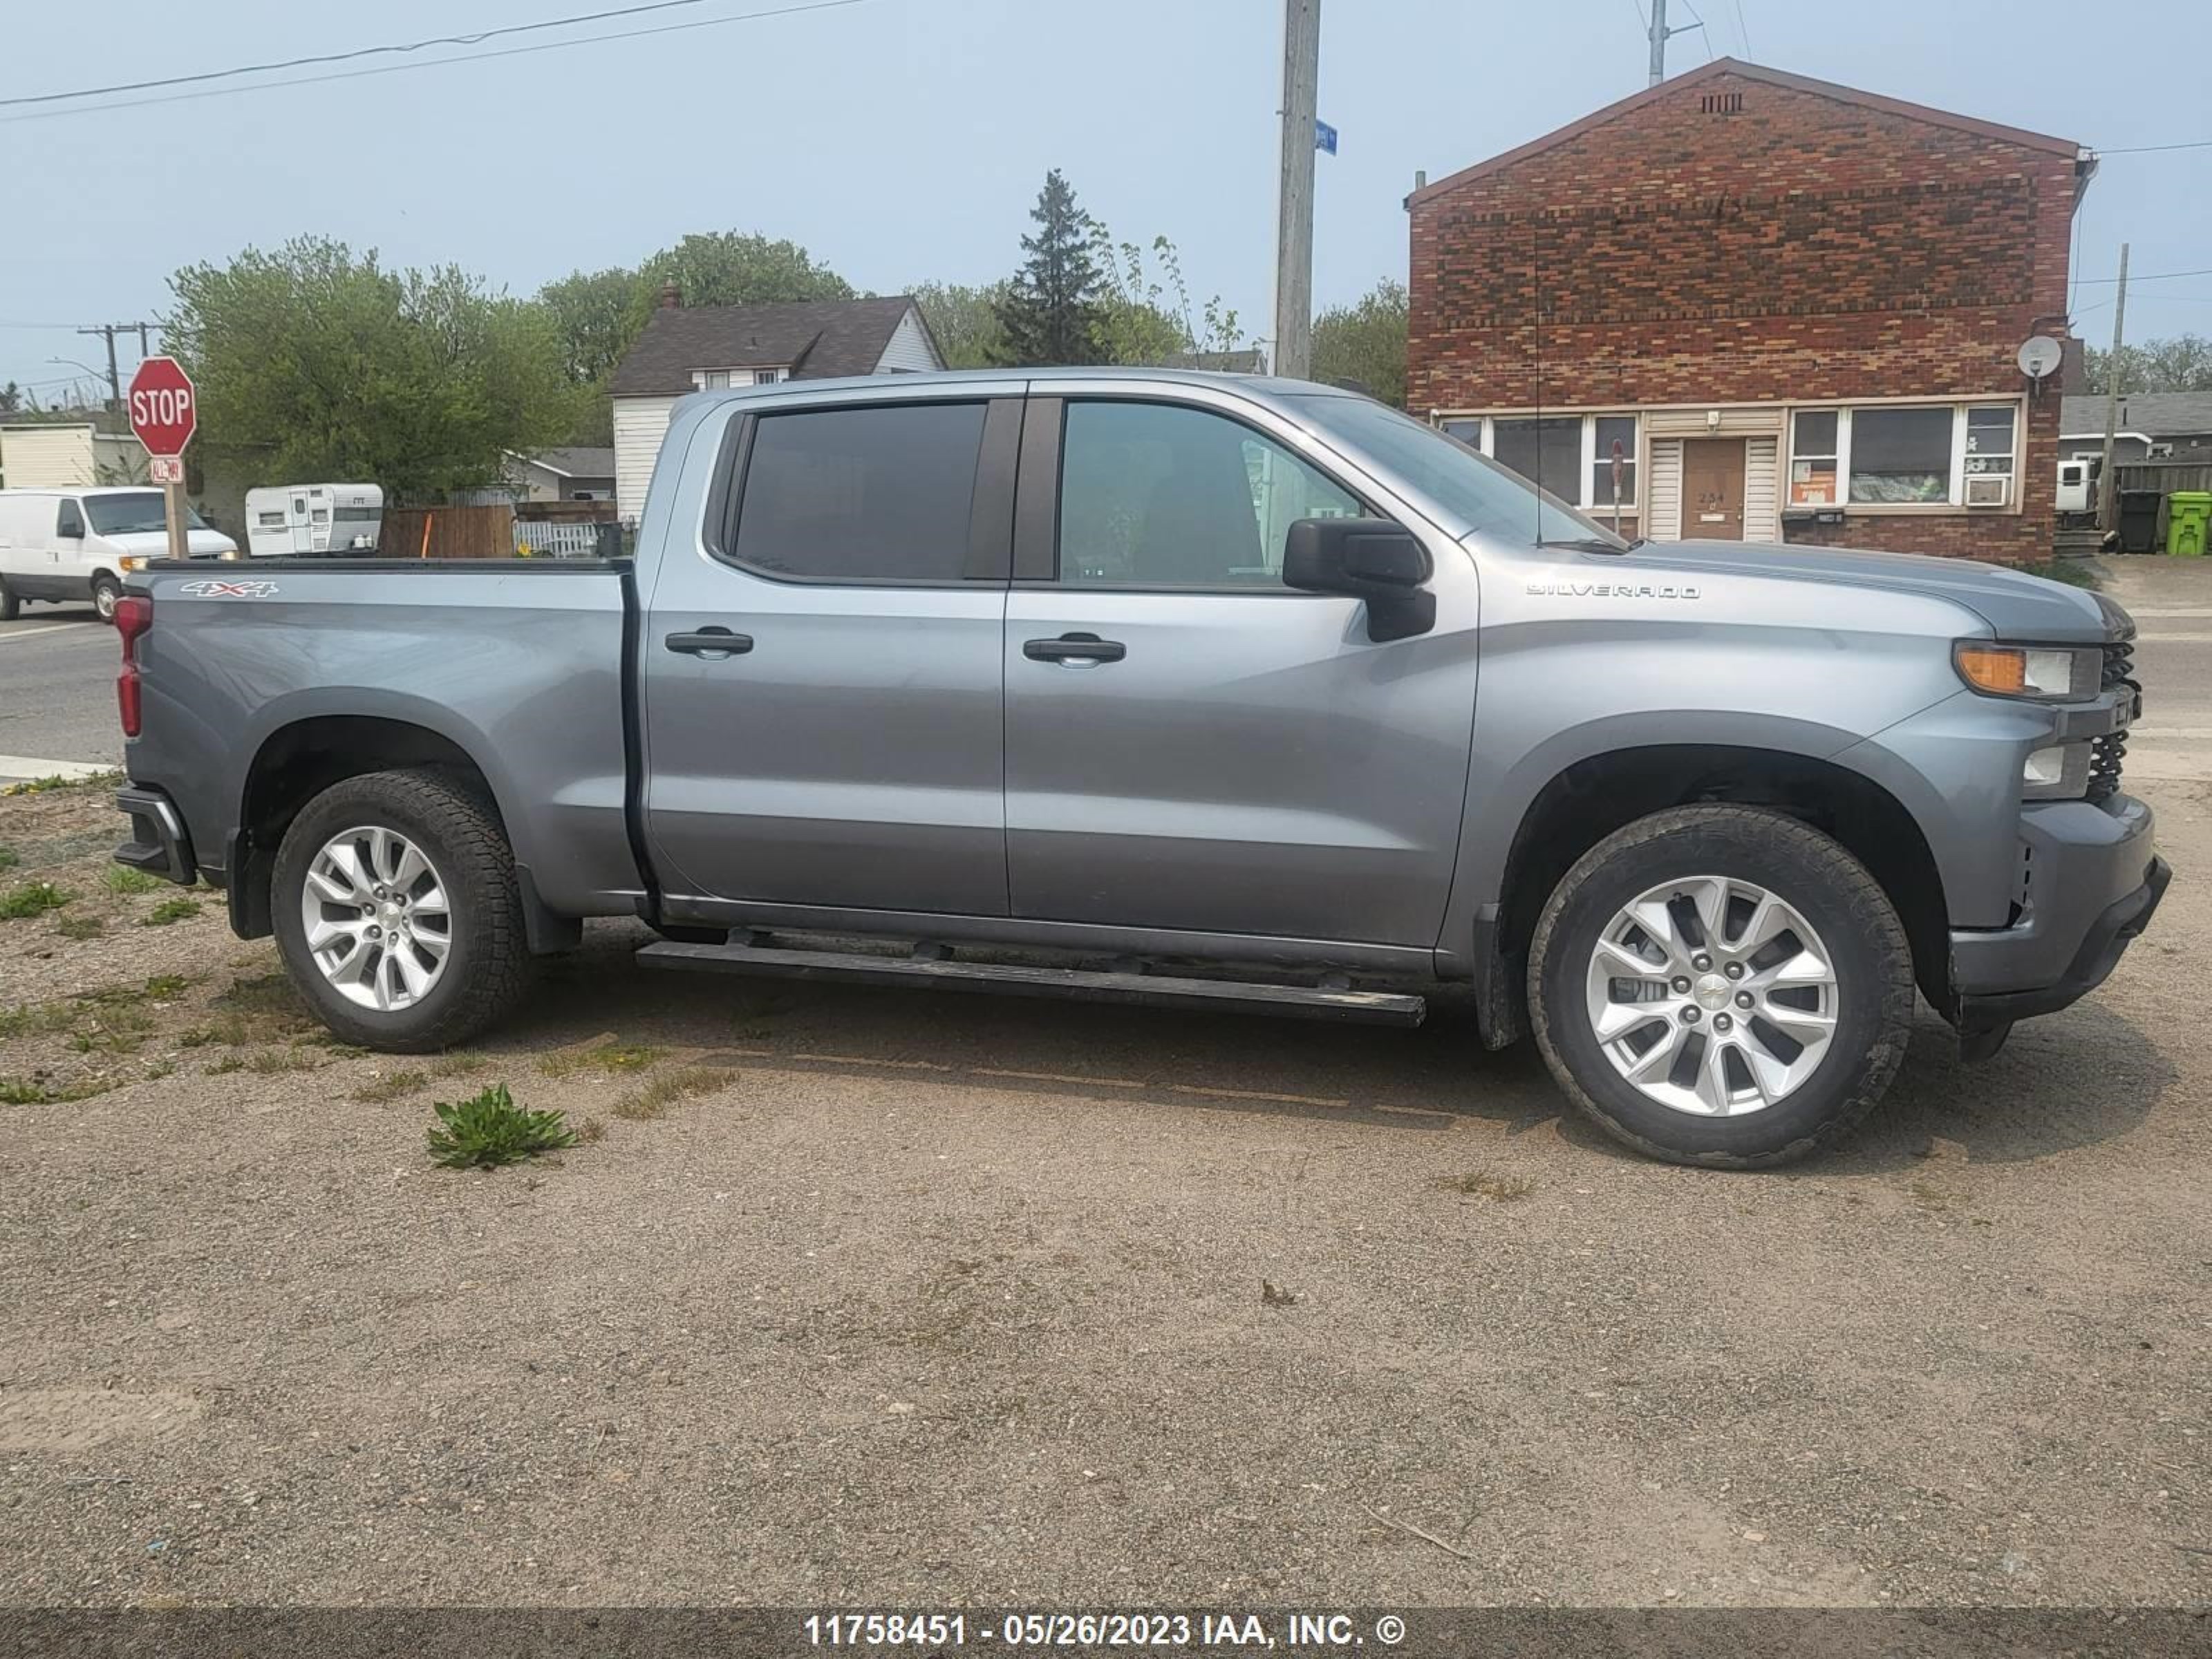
(880,494)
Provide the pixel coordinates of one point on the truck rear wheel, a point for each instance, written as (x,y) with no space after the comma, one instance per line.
(397,912)
(1722,986)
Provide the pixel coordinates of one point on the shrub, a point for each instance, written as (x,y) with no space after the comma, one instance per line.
(489,1129)
(169,910)
(122,878)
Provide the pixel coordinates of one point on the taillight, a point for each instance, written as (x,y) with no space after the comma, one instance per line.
(134,616)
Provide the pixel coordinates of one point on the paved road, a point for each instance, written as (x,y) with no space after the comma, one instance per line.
(57,691)
(2171,600)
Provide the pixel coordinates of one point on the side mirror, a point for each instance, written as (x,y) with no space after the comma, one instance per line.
(1369,559)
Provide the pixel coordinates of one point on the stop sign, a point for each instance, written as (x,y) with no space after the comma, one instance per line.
(163,411)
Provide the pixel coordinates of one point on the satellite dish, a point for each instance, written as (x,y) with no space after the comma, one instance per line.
(2038,356)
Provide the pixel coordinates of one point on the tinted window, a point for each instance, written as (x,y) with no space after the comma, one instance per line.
(1154,495)
(861,494)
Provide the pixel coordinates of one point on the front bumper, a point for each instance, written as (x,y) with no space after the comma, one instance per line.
(159,842)
(2092,882)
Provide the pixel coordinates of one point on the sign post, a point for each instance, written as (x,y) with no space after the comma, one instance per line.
(164,414)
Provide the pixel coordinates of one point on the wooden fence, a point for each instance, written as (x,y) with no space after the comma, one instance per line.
(2164,476)
(447,532)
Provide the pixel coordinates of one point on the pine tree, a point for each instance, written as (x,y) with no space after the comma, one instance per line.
(1050,311)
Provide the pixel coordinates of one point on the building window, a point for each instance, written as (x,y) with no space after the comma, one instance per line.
(711,379)
(1569,455)
(1901,457)
(1813,457)
(1546,451)
(767,376)
(1990,443)
(1611,435)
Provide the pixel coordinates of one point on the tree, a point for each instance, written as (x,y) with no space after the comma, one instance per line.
(314,362)
(735,268)
(1147,321)
(1364,344)
(964,321)
(2183,363)
(11,398)
(600,313)
(1050,311)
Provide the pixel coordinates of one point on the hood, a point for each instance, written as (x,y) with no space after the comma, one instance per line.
(2015,604)
(154,544)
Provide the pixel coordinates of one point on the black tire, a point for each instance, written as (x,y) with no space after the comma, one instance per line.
(488,968)
(1872,961)
(105,590)
(11,606)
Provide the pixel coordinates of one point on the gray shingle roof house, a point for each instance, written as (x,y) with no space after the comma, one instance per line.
(707,347)
(2151,423)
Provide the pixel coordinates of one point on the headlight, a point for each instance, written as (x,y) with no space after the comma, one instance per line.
(135,563)
(2050,673)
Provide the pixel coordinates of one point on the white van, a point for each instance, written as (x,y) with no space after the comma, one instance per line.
(284,520)
(66,546)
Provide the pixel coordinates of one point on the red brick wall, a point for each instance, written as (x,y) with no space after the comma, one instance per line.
(1807,247)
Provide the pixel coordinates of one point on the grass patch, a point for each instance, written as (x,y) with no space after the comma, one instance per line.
(170,910)
(615,1059)
(668,1089)
(36,1019)
(593,1133)
(392,1085)
(116,1028)
(269,1062)
(2075,573)
(55,782)
(10,858)
(228,1031)
(227,1065)
(489,1129)
(457,1066)
(271,996)
(32,898)
(122,878)
(1487,1183)
(14,1091)
(164,986)
(80,928)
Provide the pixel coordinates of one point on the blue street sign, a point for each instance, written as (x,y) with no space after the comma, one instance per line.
(1324,137)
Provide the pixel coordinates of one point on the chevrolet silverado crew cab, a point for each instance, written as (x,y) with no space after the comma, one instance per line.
(1188,689)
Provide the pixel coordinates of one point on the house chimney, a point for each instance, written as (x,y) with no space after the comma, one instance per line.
(672,297)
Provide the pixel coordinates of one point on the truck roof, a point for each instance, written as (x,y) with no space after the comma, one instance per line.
(1262,385)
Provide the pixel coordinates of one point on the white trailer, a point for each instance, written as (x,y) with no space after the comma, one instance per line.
(288,520)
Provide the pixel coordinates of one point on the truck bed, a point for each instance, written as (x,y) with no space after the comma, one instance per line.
(521,663)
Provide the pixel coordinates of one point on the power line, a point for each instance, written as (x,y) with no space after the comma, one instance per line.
(2147,150)
(433,63)
(2159,277)
(63,327)
(1705,34)
(1741,29)
(475,39)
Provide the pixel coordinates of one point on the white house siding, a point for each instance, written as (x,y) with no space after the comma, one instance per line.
(47,457)
(1762,490)
(640,425)
(908,352)
(1662,491)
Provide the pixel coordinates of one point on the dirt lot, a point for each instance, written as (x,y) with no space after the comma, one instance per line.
(860,1296)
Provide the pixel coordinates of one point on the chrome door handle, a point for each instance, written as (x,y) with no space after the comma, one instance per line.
(711,642)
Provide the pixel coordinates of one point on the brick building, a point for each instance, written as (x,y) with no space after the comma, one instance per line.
(1793,306)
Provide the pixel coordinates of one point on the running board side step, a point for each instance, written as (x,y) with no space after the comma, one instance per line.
(1076,984)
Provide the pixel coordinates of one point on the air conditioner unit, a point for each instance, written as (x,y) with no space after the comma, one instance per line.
(1989,490)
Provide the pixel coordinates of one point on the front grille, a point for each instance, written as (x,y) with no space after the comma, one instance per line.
(2109,752)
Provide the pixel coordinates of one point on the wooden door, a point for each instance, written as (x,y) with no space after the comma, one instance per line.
(1712,489)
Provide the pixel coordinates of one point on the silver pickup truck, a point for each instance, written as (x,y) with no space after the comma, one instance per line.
(1193,690)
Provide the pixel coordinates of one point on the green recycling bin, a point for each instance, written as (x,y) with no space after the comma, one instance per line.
(2188,519)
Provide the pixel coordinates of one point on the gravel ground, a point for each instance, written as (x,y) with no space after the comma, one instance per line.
(922,1299)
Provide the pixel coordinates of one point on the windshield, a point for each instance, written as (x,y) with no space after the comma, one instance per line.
(1493,501)
(132,511)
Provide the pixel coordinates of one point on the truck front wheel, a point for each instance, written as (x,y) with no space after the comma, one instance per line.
(1723,986)
(397,912)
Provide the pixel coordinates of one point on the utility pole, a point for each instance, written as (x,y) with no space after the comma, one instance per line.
(2108,497)
(1658,42)
(108,331)
(1294,209)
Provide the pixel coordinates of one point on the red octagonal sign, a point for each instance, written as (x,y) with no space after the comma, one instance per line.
(163,411)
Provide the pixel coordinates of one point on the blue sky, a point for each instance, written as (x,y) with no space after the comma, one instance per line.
(902,140)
